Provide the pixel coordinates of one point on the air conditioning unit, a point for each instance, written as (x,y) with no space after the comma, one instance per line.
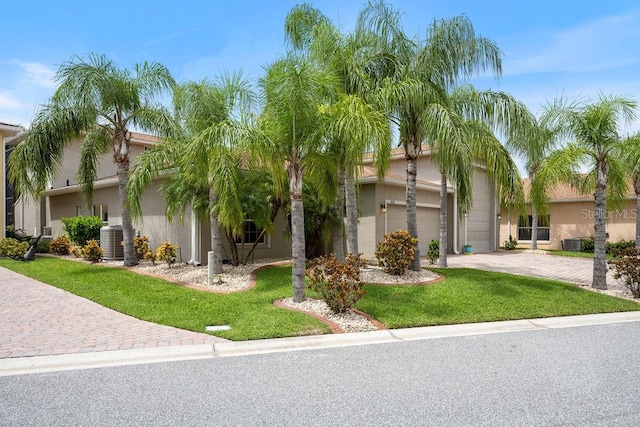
(111,242)
(572,245)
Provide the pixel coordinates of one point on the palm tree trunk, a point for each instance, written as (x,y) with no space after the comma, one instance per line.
(130,258)
(442,259)
(600,228)
(636,188)
(216,234)
(297,231)
(412,219)
(352,214)
(534,228)
(338,232)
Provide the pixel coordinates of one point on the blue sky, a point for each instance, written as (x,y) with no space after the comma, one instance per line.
(550,47)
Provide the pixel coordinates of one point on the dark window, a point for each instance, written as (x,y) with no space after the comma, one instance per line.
(524,227)
(251,233)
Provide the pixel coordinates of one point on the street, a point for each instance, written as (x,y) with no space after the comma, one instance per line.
(571,376)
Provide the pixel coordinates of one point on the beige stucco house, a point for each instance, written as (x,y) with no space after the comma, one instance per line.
(381,208)
(569,215)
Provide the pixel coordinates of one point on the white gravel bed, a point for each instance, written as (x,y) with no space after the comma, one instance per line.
(348,322)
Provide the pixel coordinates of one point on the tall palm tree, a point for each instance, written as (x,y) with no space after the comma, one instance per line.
(533,149)
(595,143)
(204,153)
(295,88)
(464,136)
(425,70)
(100,102)
(355,125)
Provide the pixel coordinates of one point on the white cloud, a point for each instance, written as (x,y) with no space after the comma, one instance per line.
(605,43)
(8,102)
(37,73)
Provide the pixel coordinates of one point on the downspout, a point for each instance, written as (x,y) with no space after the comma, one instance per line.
(455,224)
(195,239)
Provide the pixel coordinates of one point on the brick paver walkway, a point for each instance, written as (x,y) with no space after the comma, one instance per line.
(566,269)
(37,319)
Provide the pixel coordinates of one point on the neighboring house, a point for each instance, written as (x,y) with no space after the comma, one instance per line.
(569,215)
(10,135)
(381,208)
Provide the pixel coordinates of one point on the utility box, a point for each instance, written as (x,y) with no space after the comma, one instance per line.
(573,245)
(111,242)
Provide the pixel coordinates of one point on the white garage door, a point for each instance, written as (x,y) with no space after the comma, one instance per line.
(428,223)
(478,222)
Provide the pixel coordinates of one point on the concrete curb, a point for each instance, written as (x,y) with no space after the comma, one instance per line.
(40,364)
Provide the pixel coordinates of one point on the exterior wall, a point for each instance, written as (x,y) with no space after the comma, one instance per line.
(107,168)
(573,219)
(427,170)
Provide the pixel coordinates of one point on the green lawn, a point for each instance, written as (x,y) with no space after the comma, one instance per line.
(469,295)
(574,254)
(465,296)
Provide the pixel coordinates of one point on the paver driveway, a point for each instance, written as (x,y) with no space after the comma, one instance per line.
(37,319)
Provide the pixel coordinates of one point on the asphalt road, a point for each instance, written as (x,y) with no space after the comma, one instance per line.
(574,376)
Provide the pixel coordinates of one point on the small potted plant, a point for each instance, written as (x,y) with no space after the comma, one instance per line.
(467,250)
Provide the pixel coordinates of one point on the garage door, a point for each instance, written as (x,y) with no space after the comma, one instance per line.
(428,223)
(478,224)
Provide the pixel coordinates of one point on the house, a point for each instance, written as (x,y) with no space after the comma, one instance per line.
(10,135)
(381,208)
(569,215)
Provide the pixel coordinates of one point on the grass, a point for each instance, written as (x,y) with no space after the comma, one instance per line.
(465,296)
(573,254)
(469,295)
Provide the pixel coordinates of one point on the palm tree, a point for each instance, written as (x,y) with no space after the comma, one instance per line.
(592,127)
(205,155)
(355,125)
(631,158)
(295,88)
(534,148)
(424,71)
(100,102)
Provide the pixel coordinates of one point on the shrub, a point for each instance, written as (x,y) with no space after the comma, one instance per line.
(81,229)
(44,247)
(510,244)
(12,247)
(434,251)
(626,266)
(61,245)
(141,245)
(587,245)
(92,251)
(167,252)
(616,247)
(338,282)
(76,251)
(396,252)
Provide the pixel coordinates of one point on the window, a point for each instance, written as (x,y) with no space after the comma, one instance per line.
(101,211)
(78,210)
(252,233)
(524,227)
